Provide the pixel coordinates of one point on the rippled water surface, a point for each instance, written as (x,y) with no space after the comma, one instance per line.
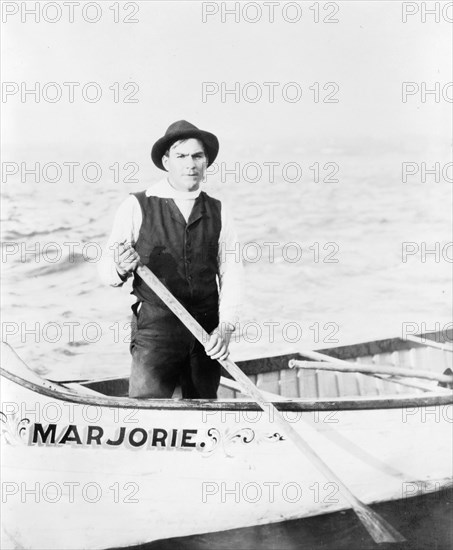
(364,293)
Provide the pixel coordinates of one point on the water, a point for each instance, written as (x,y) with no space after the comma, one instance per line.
(368,293)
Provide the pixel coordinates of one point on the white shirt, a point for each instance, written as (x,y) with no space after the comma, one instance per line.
(126,227)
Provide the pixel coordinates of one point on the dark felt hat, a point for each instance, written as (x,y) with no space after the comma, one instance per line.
(184,130)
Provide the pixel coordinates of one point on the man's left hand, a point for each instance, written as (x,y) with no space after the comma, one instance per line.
(219,340)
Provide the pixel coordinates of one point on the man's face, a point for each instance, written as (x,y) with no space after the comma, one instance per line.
(186,165)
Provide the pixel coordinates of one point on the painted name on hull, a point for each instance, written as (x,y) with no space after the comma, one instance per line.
(93,435)
(17,430)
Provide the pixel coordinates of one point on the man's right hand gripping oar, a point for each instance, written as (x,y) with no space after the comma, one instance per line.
(126,259)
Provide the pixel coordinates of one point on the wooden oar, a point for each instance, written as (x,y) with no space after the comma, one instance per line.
(232,385)
(346,366)
(379,529)
(327,358)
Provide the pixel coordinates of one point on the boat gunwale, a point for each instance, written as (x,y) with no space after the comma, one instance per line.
(357,403)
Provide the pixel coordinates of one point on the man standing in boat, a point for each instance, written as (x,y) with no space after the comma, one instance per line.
(183,235)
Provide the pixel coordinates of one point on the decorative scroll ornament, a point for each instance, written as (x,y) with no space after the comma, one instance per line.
(208,443)
(232,440)
(237,438)
(13,429)
(274,438)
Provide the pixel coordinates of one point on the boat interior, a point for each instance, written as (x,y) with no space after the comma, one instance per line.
(272,375)
(429,356)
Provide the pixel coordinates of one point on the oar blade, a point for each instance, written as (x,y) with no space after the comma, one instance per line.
(379,529)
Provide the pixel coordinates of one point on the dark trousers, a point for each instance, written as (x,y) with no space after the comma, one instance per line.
(165,354)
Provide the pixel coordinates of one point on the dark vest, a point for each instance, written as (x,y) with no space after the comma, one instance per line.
(184,256)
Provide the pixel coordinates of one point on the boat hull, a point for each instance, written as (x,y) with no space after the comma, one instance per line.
(79,474)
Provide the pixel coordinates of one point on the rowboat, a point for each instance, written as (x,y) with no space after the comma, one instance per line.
(84,466)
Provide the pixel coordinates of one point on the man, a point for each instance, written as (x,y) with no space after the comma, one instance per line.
(188,240)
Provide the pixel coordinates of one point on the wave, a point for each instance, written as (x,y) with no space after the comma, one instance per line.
(15,235)
(65,264)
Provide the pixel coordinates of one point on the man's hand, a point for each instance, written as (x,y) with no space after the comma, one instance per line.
(126,258)
(219,340)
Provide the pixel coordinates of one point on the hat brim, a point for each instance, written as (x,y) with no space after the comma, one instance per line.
(209,140)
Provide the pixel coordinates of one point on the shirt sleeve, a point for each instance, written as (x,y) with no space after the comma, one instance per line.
(230,271)
(126,228)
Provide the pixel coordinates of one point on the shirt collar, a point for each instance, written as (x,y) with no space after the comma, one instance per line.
(164,190)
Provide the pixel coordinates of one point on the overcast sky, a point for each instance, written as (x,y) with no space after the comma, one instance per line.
(171,52)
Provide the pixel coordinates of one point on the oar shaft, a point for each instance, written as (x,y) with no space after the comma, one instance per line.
(233,385)
(327,358)
(249,388)
(379,529)
(345,366)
